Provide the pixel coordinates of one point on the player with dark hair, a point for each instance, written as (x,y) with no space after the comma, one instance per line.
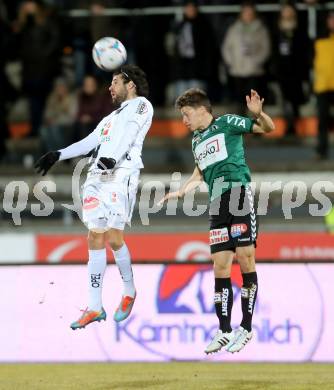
(109,192)
(137,76)
(218,151)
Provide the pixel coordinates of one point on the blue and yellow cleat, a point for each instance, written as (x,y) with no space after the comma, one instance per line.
(124,309)
(89,316)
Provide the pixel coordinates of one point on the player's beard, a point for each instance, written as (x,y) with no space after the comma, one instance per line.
(120,97)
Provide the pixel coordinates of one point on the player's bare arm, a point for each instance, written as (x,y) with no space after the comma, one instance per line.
(255,106)
(194,181)
(219,154)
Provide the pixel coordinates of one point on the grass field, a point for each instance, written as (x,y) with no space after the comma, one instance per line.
(173,376)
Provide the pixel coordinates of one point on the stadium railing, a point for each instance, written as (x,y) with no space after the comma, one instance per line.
(208,9)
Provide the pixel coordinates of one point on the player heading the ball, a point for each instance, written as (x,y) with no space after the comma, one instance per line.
(109,193)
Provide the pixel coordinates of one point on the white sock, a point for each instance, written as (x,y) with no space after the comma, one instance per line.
(123,261)
(97,265)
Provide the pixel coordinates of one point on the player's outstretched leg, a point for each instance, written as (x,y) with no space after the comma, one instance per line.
(96,268)
(244,334)
(123,261)
(223,305)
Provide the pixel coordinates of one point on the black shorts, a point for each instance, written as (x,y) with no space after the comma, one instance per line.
(232,218)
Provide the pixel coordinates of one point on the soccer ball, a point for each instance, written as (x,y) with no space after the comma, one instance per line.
(109,53)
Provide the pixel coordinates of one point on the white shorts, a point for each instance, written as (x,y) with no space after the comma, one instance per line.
(108,200)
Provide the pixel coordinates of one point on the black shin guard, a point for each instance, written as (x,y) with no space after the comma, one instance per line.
(223,302)
(248,299)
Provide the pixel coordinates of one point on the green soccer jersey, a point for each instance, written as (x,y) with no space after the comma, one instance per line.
(219,153)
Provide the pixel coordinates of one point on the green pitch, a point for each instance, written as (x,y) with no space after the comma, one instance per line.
(173,376)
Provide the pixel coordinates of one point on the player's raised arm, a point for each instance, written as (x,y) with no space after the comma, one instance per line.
(264,123)
(194,181)
(81,147)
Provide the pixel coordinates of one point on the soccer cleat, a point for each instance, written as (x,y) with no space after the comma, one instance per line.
(89,316)
(241,338)
(220,340)
(124,309)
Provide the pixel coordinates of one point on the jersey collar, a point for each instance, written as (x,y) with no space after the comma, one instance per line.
(128,100)
(201,131)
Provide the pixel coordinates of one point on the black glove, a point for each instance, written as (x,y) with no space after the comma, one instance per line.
(106,163)
(46,162)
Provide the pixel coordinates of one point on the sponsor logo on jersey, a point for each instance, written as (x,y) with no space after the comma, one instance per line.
(238,229)
(210,151)
(236,121)
(106,139)
(196,139)
(105,129)
(90,202)
(211,147)
(218,236)
(104,132)
(142,108)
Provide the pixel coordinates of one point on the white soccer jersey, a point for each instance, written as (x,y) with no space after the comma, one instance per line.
(119,135)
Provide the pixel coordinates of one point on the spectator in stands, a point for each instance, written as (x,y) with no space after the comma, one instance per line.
(148,37)
(38,49)
(60,112)
(102,25)
(7,91)
(291,63)
(246,50)
(324,85)
(92,105)
(78,38)
(8,9)
(194,50)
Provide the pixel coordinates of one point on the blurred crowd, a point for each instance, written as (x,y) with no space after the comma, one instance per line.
(225,54)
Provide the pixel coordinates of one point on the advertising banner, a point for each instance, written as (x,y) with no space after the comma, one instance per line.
(189,246)
(173,317)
